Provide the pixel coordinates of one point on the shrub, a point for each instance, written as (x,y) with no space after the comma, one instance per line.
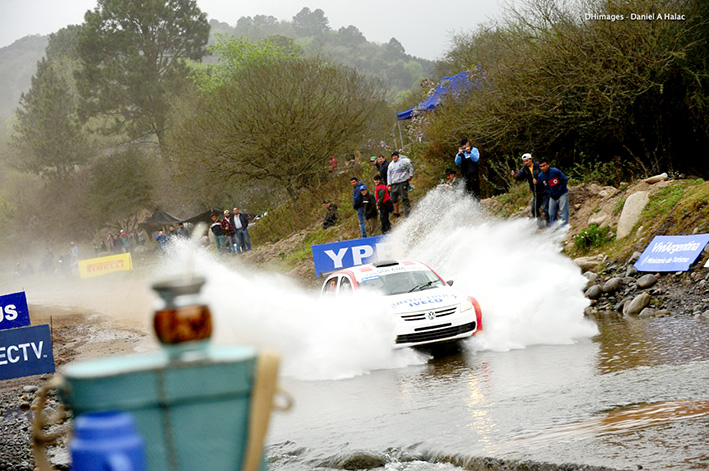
(592,236)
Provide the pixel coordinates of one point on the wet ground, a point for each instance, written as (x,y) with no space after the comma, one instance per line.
(633,397)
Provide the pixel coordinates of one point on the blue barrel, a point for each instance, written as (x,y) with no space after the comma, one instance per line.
(107,441)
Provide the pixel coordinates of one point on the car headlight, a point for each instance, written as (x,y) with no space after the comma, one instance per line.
(466,305)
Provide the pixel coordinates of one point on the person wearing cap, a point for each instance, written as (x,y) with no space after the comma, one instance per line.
(451,177)
(370,210)
(331,216)
(540,199)
(556,184)
(399,174)
(357,203)
(468,159)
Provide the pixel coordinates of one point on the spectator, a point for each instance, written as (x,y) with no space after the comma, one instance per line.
(555,183)
(383,167)
(384,204)
(451,178)
(241,231)
(228,231)
(357,203)
(468,158)
(529,171)
(162,240)
(182,231)
(370,210)
(217,232)
(331,216)
(332,165)
(399,173)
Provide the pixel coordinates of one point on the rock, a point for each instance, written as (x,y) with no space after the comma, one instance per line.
(638,303)
(590,276)
(647,312)
(631,213)
(598,218)
(587,263)
(30,389)
(594,292)
(612,285)
(647,281)
(706,315)
(634,258)
(627,280)
(621,305)
(656,178)
(631,270)
(662,313)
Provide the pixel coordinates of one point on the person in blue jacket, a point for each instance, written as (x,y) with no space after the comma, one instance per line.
(357,203)
(556,184)
(468,158)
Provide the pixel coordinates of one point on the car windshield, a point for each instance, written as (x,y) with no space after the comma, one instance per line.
(401,282)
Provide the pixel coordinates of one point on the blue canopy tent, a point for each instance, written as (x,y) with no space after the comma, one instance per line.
(452,85)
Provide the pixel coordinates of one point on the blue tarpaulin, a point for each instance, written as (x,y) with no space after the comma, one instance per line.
(457,83)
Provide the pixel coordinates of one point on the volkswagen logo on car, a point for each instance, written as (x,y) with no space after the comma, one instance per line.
(431,315)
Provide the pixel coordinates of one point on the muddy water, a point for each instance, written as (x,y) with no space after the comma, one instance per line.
(636,395)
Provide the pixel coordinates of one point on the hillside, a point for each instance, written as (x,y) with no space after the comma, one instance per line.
(18,62)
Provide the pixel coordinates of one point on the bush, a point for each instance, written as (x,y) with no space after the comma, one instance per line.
(592,236)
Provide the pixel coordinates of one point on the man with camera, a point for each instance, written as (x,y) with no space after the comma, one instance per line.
(468,158)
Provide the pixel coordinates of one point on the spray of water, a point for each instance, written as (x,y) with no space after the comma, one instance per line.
(529,293)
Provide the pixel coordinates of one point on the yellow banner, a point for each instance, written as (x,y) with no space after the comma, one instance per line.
(100,266)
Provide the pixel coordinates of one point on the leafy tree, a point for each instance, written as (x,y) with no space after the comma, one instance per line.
(119,186)
(278,121)
(351,35)
(48,134)
(133,57)
(311,23)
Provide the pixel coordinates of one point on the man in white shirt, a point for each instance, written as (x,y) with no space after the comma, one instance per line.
(399,173)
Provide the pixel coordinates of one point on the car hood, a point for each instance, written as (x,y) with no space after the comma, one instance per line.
(427,299)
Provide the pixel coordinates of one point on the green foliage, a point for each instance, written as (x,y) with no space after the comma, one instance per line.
(619,204)
(278,121)
(562,88)
(133,58)
(48,139)
(664,201)
(235,54)
(592,237)
(119,185)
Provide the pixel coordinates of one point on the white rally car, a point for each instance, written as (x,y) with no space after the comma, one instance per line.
(427,309)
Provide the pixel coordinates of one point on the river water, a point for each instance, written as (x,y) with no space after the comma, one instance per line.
(633,396)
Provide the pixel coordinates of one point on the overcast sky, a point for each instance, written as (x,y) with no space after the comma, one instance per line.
(423,27)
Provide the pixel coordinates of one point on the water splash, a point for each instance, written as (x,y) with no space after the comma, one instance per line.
(529,293)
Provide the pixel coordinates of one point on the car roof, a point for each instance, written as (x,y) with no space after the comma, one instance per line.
(382,267)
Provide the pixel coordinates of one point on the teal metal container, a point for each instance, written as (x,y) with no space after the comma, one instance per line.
(192,410)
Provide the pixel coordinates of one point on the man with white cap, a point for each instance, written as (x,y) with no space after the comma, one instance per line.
(529,171)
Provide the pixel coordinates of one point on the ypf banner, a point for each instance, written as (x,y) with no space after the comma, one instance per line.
(26,351)
(14,311)
(672,253)
(347,253)
(102,265)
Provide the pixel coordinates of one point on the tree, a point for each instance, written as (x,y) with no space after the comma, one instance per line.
(133,57)
(278,121)
(311,23)
(48,134)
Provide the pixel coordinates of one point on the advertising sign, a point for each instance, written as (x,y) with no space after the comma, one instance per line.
(14,311)
(100,266)
(347,253)
(672,253)
(26,351)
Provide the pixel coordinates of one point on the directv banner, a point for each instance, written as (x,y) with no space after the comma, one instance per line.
(347,253)
(14,311)
(100,266)
(25,351)
(672,253)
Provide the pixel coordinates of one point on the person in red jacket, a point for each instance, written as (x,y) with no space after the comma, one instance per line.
(384,203)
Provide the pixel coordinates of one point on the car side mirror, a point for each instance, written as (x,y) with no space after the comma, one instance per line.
(450,282)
